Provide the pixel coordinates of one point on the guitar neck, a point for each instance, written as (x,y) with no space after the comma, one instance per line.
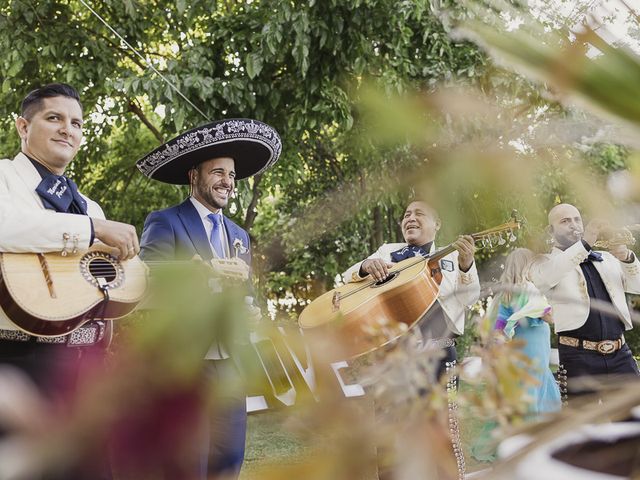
(443,252)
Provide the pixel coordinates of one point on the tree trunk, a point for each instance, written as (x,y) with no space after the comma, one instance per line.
(255,196)
(396,224)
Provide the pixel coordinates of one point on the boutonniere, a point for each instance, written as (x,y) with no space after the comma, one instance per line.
(239,246)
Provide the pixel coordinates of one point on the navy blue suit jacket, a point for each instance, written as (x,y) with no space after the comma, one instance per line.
(177,233)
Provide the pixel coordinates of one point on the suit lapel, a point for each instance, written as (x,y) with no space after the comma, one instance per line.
(194,228)
(230,231)
(29,175)
(604,273)
(234,233)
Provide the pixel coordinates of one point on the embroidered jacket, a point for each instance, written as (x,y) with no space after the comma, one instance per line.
(560,279)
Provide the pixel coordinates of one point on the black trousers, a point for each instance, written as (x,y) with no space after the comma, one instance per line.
(54,369)
(583,363)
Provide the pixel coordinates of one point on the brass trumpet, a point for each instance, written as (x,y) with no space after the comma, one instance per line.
(611,236)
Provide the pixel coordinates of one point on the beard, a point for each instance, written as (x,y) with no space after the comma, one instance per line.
(206,193)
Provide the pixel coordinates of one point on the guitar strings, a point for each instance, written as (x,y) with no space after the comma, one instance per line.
(436,255)
(112,268)
(444,251)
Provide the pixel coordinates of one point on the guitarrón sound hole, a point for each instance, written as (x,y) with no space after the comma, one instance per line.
(101,268)
(386,280)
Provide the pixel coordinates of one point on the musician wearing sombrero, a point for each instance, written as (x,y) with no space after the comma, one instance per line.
(210,159)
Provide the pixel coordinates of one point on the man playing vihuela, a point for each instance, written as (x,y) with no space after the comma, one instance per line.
(42,211)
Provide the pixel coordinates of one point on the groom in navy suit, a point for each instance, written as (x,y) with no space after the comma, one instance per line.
(193,227)
(210,159)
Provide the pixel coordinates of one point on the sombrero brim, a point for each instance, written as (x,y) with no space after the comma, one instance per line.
(254,146)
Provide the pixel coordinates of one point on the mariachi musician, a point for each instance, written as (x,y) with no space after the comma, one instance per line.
(41,210)
(459,288)
(460,285)
(590,339)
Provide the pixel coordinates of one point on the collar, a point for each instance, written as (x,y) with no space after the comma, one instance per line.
(203,211)
(28,173)
(427,247)
(42,170)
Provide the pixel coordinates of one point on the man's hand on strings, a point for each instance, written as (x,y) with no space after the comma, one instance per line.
(466,246)
(377,268)
(118,235)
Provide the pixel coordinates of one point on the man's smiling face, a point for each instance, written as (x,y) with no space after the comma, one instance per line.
(52,135)
(419,224)
(213,181)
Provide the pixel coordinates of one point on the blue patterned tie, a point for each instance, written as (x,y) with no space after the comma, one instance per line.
(215,239)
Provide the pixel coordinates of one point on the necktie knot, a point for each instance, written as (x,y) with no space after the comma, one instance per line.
(594,257)
(215,219)
(407,252)
(61,194)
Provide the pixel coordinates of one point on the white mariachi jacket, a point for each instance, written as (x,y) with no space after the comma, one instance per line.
(26,226)
(559,277)
(458,289)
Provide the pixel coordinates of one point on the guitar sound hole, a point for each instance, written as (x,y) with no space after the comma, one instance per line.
(101,268)
(386,280)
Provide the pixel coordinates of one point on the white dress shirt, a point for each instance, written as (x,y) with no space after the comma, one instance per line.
(204,213)
(217,350)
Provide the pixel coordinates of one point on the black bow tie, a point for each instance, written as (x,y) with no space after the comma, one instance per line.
(594,257)
(409,251)
(61,194)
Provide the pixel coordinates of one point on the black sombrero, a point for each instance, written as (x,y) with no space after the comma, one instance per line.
(254,146)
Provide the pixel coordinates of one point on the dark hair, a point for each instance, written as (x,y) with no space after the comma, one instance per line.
(32,103)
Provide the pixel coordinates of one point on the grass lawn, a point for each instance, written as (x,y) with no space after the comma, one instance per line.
(269,443)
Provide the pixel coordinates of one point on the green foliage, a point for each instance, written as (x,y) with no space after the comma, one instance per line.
(604,158)
(299,67)
(308,69)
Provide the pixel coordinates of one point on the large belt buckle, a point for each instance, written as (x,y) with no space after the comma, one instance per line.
(606,346)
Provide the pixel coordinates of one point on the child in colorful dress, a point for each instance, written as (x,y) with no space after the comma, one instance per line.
(525,314)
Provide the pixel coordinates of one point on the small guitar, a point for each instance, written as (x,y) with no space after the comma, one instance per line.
(49,295)
(370,314)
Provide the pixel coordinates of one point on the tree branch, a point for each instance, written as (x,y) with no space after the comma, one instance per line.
(115,46)
(135,108)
